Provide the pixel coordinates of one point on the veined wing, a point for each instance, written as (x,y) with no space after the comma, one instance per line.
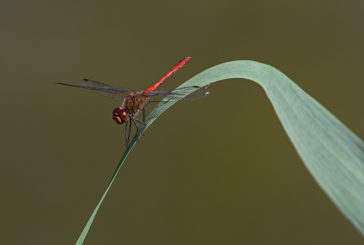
(200,93)
(115,93)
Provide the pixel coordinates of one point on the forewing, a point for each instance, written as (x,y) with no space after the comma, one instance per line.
(115,93)
(200,93)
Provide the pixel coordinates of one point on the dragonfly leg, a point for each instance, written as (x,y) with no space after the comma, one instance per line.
(143,114)
(137,126)
(127,132)
(140,121)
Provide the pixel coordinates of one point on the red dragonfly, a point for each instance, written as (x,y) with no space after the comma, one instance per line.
(134,102)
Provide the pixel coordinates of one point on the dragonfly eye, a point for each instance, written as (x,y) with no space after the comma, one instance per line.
(120,115)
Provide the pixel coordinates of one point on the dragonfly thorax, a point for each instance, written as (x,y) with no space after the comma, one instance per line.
(120,115)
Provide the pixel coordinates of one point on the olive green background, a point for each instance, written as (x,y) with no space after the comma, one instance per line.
(216,171)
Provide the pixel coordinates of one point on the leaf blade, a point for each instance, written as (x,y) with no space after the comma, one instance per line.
(332,153)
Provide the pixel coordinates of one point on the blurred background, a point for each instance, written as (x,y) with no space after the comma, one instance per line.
(196,177)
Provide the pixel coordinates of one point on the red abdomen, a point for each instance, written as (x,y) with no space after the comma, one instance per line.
(169,73)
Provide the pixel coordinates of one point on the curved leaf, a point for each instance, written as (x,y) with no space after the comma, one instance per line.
(331,152)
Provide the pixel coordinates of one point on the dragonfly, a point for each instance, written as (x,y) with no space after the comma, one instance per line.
(134,103)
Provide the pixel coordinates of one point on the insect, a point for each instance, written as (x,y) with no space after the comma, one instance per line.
(134,103)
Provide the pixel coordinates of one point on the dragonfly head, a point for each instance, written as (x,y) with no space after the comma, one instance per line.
(120,115)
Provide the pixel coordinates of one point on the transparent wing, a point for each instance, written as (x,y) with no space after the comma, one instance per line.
(200,93)
(115,93)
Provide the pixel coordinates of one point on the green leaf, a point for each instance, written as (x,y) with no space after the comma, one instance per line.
(331,152)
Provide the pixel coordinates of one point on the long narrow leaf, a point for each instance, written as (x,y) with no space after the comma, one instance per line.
(331,152)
